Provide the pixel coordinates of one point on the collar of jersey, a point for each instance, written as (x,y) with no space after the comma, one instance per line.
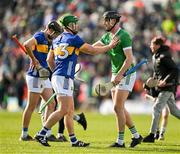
(117,31)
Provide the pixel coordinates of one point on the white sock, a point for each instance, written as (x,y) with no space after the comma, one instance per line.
(136,135)
(120,139)
(76,117)
(48,133)
(120,142)
(24,133)
(60,134)
(163,129)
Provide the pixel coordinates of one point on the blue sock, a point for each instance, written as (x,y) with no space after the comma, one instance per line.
(25,129)
(24,132)
(73,138)
(43,131)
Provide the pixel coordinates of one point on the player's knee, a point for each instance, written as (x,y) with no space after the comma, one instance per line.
(156,115)
(30,108)
(51,106)
(156,112)
(118,109)
(64,109)
(70,112)
(165,115)
(156,109)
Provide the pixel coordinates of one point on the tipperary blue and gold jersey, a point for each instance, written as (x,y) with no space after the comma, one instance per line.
(40,51)
(66,50)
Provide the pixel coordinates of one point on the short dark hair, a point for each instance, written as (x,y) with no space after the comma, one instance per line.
(158,40)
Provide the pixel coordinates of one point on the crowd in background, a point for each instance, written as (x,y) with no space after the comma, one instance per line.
(143,19)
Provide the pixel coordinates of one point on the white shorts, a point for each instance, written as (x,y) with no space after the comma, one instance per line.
(127,83)
(37,85)
(62,86)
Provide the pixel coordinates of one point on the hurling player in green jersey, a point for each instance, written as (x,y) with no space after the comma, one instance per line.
(121,60)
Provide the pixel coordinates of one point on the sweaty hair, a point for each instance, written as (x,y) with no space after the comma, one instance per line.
(158,40)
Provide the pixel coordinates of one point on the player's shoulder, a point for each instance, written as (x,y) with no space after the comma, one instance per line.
(57,39)
(39,34)
(76,37)
(123,33)
(70,37)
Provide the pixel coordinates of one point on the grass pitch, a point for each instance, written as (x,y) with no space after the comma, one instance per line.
(101,133)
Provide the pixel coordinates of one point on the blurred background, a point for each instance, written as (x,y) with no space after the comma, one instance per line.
(143,19)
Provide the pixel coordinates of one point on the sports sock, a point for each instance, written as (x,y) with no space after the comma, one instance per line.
(24,132)
(73,139)
(43,131)
(162,131)
(76,117)
(120,139)
(48,133)
(134,132)
(59,135)
(61,126)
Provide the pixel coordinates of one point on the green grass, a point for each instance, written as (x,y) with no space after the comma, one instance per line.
(101,133)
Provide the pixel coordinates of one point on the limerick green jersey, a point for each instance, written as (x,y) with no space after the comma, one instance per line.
(116,54)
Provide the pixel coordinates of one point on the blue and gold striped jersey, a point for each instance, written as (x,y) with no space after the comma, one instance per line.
(66,51)
(40,51)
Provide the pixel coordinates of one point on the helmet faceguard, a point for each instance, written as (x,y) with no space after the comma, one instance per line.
(55,27)
(111,15)
(67,19)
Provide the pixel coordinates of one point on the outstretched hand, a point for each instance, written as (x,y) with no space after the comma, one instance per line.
(114,42)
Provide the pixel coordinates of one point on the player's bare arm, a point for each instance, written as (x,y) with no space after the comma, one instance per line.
(50,60)
(89,49)
(98,43)
(28,45)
